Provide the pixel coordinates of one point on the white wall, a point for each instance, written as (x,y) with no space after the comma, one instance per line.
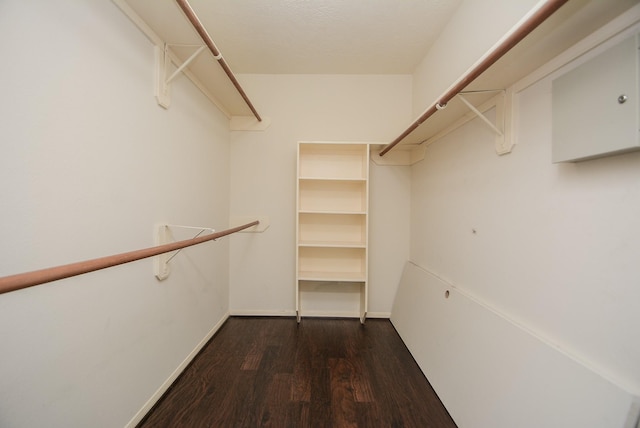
(553,247)
(89,164)
(263,168)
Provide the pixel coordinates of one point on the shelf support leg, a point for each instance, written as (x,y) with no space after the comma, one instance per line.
(363,303)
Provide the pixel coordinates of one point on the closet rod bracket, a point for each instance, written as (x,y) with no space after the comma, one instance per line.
(481,116)
(163,65)
(164,236)
(502,144)
(184,64)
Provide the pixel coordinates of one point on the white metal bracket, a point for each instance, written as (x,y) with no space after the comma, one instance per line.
(163,63)
(164,236)
(503,102)
(185,64)
(501,144)
(480,115)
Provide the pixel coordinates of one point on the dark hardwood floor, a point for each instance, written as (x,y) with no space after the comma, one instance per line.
(272,372)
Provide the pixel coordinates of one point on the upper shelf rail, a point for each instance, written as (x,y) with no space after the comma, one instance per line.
(193,18)
(527,26)
(29,279)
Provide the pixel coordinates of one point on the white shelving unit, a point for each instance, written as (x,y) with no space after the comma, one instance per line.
(332,216)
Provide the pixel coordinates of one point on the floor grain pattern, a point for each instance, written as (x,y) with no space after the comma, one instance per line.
(272,372)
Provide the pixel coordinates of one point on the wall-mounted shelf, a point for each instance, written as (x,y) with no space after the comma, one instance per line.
(178,44)
(332,217)
(573,22)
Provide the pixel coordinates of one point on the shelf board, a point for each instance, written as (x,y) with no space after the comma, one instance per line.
(332,212)
(347,179)
(309,212)
(570,24)
(163,22)
(332,244)
(332,276)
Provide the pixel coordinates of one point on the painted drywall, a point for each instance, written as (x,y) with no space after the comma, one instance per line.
(90,163)
(465,39)
(552,247)
(263,182)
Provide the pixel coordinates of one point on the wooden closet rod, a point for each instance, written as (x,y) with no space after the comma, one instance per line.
(520,33)
(29,279)
(193,18)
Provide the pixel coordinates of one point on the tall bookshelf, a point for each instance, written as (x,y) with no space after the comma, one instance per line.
(332,217)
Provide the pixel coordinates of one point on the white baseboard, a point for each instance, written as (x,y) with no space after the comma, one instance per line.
(167,383)
(261,313)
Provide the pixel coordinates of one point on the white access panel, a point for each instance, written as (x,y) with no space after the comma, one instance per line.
(595,106)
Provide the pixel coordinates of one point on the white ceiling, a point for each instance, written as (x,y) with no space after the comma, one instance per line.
(324,36)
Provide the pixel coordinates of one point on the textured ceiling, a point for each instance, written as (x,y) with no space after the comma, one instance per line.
(324,36)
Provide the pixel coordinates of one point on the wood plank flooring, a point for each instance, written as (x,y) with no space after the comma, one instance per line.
(272,372)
